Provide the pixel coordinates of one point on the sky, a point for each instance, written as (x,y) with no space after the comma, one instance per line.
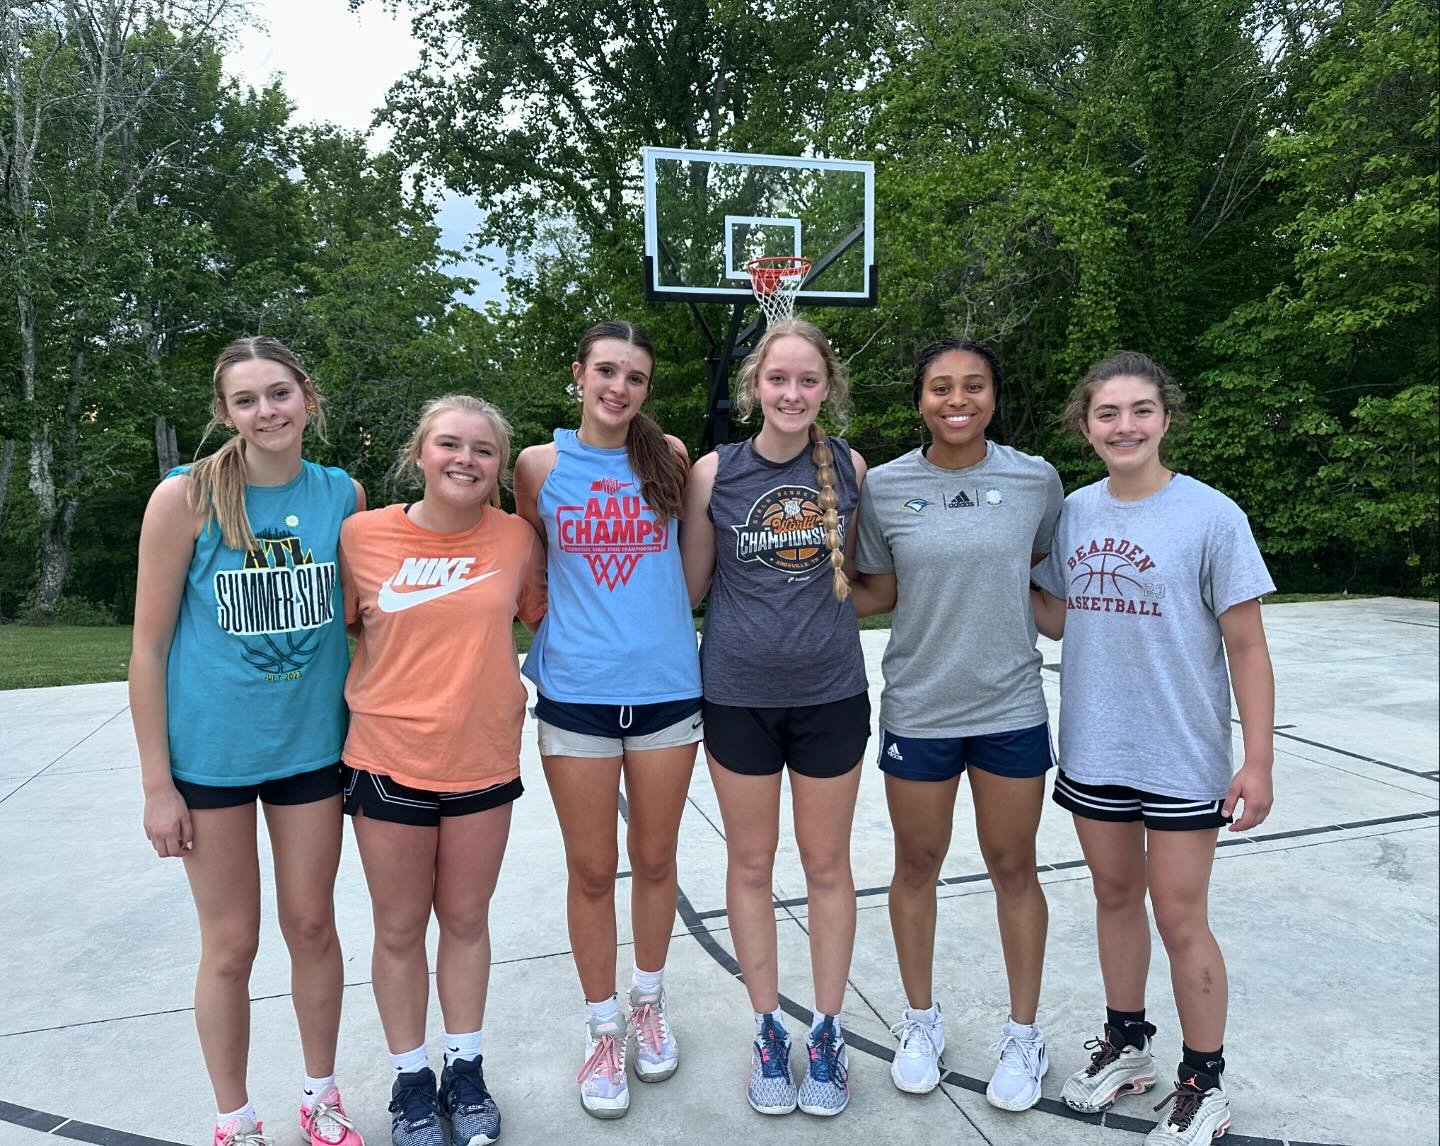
(337,66)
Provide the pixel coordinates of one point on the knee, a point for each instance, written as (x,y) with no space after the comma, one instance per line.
(1181,923)
(229,954)
(400,938)
(917,866)
(649,864)
(310,932)
(467,927)
(827,870)
(1118,894)
(1013,873)
(593,878)
(754,871)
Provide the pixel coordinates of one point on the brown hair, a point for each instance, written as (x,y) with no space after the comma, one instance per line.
(651,456)
(217,482)
(1123,364)
(837,405)
(407,465)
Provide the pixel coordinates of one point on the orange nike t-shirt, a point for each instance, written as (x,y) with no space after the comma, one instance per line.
(434,688)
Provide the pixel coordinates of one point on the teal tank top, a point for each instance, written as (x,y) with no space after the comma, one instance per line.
(256,675)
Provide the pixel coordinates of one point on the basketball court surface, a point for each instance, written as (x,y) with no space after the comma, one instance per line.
(1327,914)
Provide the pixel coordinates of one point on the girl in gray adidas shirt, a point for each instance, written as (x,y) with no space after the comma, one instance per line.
(1155,581)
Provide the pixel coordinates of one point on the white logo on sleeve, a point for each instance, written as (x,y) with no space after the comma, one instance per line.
(432,578)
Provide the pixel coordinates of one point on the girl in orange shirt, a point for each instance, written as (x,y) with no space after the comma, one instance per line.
(433,753)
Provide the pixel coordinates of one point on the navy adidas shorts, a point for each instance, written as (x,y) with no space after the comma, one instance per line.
(1117,804)
(1020,755)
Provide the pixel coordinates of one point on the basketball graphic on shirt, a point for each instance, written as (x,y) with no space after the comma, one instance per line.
(1106,574)
(785,530)
(612,531)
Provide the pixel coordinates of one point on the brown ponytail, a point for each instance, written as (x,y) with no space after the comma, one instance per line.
(217,482)
(824,460)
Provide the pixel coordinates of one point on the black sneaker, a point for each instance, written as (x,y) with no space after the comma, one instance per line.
(1200,1113)
(415,1110)
(474,1119)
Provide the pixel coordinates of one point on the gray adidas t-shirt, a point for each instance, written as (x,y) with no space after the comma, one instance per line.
(961,659)
(1144,691)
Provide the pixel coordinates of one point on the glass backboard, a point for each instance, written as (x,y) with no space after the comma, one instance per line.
(708,212)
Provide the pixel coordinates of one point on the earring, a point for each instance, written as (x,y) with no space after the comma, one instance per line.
(576,391)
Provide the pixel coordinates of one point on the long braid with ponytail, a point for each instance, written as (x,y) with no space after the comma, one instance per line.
(824,460)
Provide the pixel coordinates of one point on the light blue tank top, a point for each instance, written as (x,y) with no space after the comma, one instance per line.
(618,630)
(256,676)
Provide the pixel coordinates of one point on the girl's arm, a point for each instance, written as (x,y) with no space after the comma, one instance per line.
(167,543)
(532,467)
(872,594)
(1253,678)
(1049,610)
(697,531)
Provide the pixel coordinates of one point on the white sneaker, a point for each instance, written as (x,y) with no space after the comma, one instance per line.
(1015,1085)
(915,1068)
(1115,1068)
(1201,1111)
(657,1054)
(604,1092)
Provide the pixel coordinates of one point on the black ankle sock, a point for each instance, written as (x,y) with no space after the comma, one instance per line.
(1131,1025)
(1211,1062)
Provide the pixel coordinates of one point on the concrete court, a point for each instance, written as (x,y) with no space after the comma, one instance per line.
(1328,915)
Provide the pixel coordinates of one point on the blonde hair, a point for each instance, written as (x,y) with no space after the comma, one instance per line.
(217,482)
(837,406)
(407,465)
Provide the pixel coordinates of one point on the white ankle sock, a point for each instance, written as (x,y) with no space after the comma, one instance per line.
(777,1014)
(605,1009)
(466,1046)
(314,1088)
(817,1018)
(247,1111)
(647,982)
(410,1061)
(1020,1030)
(930,1015)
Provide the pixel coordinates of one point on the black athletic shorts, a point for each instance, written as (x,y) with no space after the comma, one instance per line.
(381,798)
(1117,804)
(306,788)
(819,740)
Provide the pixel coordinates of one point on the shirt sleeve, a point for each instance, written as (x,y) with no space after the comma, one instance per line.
(1234,571)
(534,598)
(1054,500)
(872,550)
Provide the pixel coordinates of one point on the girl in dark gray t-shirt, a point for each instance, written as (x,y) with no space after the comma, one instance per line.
(765,530)
(1155,582)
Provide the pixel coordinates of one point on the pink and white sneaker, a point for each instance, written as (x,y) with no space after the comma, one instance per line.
(241,1132)
(327,1124)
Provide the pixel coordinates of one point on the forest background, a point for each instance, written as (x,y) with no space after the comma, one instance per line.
(1245,190)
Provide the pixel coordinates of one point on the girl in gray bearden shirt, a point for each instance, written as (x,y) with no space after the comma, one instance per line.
(1155,580)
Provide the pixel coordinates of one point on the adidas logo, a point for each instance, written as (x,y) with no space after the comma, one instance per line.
(960,501)
(894,752)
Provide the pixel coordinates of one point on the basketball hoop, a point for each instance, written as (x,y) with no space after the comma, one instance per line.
(776,280)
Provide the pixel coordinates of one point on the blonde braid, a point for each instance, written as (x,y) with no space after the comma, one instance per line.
(830,502)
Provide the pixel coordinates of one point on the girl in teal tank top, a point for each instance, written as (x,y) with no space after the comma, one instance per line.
(236,693)
(619,682)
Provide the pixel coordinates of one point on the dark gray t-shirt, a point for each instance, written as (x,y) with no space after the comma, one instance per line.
(1144,691)
(961,659)
(775,635)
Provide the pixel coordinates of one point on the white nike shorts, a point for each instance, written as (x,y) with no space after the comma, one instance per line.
(562,742)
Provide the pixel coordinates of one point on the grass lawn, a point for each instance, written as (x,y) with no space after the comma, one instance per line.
(39,656)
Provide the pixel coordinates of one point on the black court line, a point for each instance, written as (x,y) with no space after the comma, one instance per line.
(1067,865)
(1354,755)
(1417,624)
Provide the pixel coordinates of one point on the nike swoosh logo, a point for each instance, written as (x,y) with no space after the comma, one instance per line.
(699,720)
(391,601)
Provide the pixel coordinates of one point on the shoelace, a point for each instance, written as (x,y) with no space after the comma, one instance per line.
(1104,1054)
(1187,1104)
(414,1103)
(1018,1054)
(649,1023)
(253,1137)
(604,1059)
(329,1121)
(774,1052)
(825,1059)
(469,1091)
(915,1036)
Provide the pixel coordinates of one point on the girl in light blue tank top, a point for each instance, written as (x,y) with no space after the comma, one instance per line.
(618,678)
(236,693)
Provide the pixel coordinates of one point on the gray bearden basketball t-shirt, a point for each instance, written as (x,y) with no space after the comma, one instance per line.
(1144,691)
(961,659)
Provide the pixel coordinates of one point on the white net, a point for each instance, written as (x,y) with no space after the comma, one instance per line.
(776,283)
